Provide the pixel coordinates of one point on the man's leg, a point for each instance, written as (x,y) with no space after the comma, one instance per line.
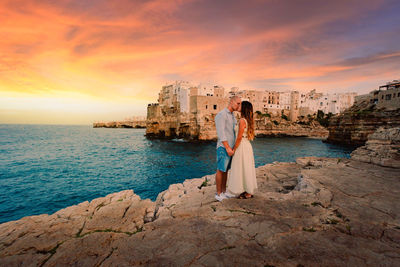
(218,180)
(223,181)
(225,175)
(223,161)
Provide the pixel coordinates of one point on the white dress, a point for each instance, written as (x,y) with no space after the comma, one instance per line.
(242,177)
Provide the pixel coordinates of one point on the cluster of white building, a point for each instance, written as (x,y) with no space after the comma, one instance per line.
(334,103)
(177,97)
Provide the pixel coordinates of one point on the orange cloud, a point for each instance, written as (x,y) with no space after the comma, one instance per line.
(121,52)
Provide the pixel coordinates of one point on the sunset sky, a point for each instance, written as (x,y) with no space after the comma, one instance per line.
(76,62)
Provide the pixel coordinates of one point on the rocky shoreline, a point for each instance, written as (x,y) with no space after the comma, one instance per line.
(315,211)
(281,127)
(353,126)
(205,130)
(120,124)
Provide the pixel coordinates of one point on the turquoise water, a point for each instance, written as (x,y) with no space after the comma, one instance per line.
(46,168)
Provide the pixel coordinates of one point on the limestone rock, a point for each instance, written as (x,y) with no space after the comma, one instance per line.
(202,127)
(360,121)
(38,237)
(382,148)
(315,212)
(121,124)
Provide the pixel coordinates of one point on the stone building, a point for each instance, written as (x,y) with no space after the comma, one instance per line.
(233,91)
(253,96)
(172,118)
(272,102)
(153,111)
(175,96)
(184,110)
(294,105)
(335,103)
(285,100)
(203,109)
(387,96)
(166,117)
(205,90)
(204,105)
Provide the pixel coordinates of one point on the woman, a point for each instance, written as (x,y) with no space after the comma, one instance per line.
(242,179)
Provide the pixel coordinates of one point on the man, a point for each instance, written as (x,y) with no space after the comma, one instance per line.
(225,123)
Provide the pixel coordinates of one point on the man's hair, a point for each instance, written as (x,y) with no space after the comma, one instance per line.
(233,98)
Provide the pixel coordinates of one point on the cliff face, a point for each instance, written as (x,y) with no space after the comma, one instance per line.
(120,124)
(203,128)
(312,212)
(171,126)
(382,148)
(282,127)
(355,125)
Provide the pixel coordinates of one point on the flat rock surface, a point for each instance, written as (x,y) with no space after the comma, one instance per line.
(314,212)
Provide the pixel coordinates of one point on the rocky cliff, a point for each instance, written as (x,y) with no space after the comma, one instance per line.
(382,148)
(312,212)
(120,124)
(203,128)
(355,125)
(281,127)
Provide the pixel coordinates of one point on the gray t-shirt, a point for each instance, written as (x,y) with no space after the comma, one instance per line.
(225,123)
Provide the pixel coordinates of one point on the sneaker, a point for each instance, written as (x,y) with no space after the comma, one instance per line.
(228,195)
(220,197)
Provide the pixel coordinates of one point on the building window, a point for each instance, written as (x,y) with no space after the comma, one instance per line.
(215,107)
(382,96)
(388,97)
(206,106)
(398,94)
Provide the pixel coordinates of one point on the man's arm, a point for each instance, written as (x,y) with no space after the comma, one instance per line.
(220,121)
(228,148)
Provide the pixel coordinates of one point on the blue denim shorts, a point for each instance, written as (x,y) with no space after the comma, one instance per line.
(223,159)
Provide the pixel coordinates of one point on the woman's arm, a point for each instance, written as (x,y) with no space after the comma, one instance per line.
(242,125)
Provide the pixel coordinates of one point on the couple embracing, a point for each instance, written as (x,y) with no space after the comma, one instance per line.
(235,152)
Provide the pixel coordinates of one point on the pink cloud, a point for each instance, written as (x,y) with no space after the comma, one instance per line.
(294,44)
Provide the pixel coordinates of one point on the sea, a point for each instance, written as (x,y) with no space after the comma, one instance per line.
(44,168)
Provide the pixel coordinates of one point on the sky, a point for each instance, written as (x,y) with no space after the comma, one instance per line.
(77,62)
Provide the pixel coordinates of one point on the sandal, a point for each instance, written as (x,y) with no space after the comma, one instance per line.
(242,196)
(245,195)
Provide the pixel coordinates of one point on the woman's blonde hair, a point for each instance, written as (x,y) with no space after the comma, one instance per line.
(247,113)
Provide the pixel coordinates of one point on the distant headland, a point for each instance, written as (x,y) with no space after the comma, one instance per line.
(133,122)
